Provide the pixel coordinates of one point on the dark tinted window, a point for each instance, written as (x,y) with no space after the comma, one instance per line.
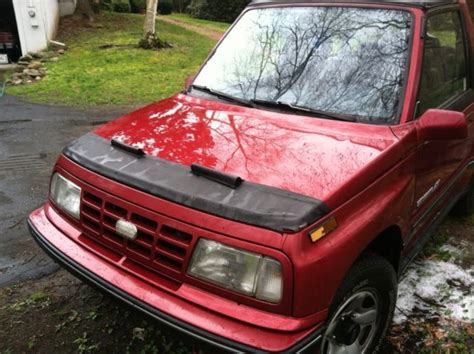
(348,61)
(444,67)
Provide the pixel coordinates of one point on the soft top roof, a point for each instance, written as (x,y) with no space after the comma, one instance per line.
(427,4)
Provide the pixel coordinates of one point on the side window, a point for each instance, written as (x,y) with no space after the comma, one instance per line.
(444,67)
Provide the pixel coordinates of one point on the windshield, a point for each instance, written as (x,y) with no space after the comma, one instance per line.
(339,60)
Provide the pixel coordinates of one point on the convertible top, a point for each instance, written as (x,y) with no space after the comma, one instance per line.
(424,4)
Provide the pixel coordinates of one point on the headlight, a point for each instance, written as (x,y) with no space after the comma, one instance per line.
(66,195)
(245,272)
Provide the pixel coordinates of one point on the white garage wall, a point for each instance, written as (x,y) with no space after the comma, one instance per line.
(35,31)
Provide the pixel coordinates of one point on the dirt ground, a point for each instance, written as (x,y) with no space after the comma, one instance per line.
(199,29)
(59,314)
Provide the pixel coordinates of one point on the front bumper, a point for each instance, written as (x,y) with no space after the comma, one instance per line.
(212,328)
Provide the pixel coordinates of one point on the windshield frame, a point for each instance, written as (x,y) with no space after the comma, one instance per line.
(398,7)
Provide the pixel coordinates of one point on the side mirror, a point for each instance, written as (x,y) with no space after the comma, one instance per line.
(438,124)
(189,81)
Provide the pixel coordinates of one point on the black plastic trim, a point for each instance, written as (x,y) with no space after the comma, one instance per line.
(254,204)
(308,345)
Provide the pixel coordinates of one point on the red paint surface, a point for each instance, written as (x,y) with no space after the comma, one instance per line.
(310,156)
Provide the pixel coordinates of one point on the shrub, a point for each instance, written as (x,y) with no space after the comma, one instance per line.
(116,5)
(138,6)
(122,6)
(165,7)
(106,5)
(180,5)
(198,8)
(217,10)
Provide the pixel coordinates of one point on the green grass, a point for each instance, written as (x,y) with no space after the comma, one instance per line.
(87,76)
(446,38)
(212,25)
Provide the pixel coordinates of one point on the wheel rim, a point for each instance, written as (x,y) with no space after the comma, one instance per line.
(352,329)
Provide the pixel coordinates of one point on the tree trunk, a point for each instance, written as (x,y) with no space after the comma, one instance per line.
(150,19)
(150,40)
(84,8)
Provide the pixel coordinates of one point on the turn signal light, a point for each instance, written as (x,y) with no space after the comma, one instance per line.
(323,230)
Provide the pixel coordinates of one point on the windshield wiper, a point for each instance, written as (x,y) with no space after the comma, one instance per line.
(222,95)
(277,104)
(302,109)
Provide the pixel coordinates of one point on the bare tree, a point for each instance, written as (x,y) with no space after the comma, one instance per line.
(150,40)
(149,29)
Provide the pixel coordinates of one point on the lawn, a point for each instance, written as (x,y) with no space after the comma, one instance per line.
(89,76)
(212,25)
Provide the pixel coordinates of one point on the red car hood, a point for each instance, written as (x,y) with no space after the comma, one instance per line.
(324,159)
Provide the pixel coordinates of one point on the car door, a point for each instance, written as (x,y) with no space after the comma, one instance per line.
(445,84)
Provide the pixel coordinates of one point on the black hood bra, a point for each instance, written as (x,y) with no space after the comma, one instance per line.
(249,203)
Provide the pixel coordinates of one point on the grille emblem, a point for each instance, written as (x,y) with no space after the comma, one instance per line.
(126,229)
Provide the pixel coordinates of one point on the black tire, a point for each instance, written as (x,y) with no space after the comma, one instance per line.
(465,206)
(371,276)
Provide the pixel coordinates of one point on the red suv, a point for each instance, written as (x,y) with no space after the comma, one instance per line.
(273,204)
